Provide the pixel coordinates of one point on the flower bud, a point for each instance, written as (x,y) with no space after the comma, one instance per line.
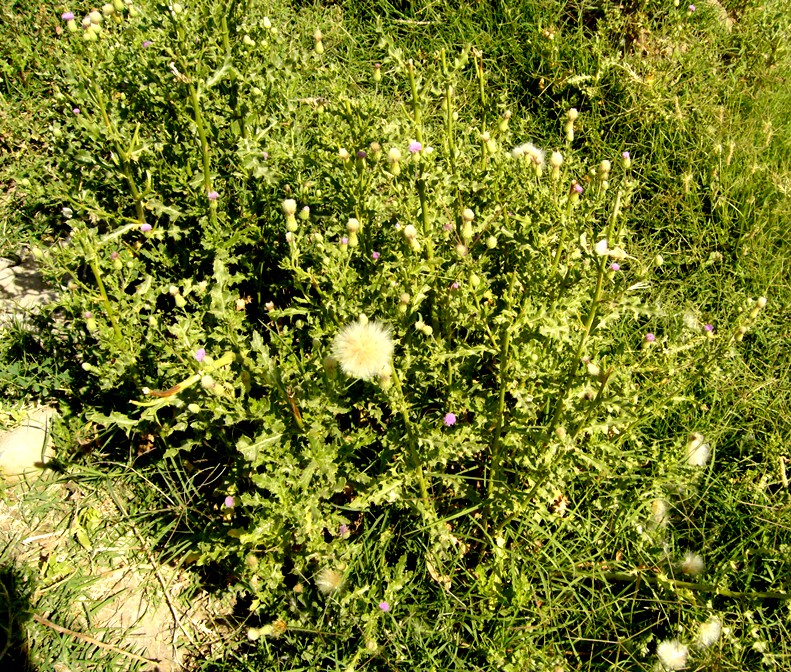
(491,242)
(466,231)
(377,72)
(95,18)
(108,9)
(353,225)
(266,23)
(461,250)
(343,153)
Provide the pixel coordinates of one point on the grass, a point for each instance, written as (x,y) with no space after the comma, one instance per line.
(703,110)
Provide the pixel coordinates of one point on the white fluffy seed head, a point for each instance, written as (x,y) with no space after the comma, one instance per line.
(410,232)
(556,159)
(697,450)
(289,206)
(710,632)
(363,349)
(692,564)
(329,581)
(672,654)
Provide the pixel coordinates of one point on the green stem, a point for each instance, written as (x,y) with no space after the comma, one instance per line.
(675,583)
(421,183)
(505,344)
(412,443)
(97,274)
(204,151)
(562,242)
(123,155)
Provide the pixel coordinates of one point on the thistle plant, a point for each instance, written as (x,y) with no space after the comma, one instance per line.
(357,306)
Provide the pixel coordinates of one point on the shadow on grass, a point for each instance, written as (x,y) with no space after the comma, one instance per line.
(14,611)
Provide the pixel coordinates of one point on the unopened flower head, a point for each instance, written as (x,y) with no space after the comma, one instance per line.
(660,513)
(353,225)
(698,450)
(394,155)
(692,564)
(672,654)
(363,349)
(329,581)
(710,632)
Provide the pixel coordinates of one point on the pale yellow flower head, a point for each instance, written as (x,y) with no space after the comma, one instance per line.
(363,349)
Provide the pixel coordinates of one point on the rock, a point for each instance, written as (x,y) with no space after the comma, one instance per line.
(26,449)
(22,288)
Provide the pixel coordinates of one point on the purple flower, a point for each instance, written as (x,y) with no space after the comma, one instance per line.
(708,327)
(87,314)
(147,44)
(343,530)
(384,606)
(212,195)
(344,241)
(362,154)
(67,16)
(454,285)
(145,228)
(415,147)
(229,502)
(578,188)
(448,226)
(200,353)
(615,267)
(264,155)
(692,8)
(649,337)
(626,155)
(114,255)
(76,110)
(375,255)
(449,419)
